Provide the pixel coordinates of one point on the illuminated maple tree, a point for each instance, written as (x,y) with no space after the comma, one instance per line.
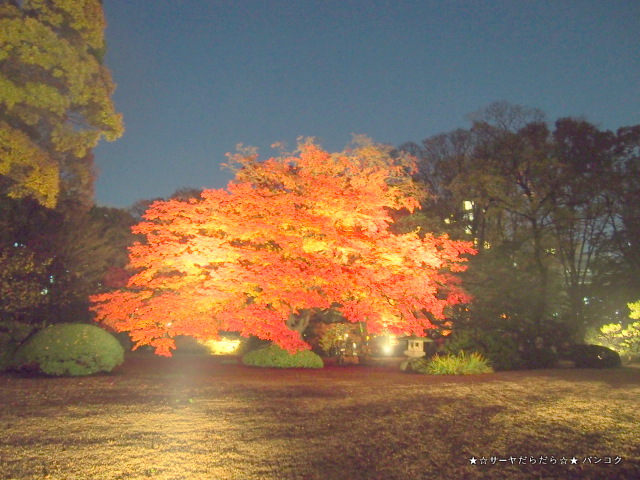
(288,237)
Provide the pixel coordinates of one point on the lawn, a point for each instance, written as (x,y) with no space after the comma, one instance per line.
(193,417)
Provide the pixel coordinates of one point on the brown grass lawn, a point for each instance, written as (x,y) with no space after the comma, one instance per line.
(191,417)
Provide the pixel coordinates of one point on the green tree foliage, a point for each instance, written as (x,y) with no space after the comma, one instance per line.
(21,280)
(616,278)
(499,348)
(339,337)
(55,97)
(553,212)
(53,259)
(623,338)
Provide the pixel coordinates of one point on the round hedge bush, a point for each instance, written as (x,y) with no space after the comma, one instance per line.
(274,356)
(70,349)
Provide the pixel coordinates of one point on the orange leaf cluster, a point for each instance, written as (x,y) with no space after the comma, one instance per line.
(289,234)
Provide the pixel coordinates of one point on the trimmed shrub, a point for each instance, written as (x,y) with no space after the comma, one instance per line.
(274,356)
(594,356)
(460,364)
(70,349)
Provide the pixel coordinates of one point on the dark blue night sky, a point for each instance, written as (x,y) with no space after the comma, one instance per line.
(197,77)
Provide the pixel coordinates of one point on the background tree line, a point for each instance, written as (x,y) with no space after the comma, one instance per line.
(553,210)
(55,105)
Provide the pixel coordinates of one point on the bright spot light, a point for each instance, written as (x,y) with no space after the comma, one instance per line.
(387,349)
(224,346)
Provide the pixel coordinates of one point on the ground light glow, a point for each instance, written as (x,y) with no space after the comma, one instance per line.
(389,343)
(223,346)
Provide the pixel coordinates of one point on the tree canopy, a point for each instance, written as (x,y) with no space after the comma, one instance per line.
(55,97)
(552,210)
(53,259)
(289,236)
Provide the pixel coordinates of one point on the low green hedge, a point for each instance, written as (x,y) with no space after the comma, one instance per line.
(69,349)
(274,356)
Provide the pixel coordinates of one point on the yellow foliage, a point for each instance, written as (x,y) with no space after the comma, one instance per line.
(31,171)
(51,76)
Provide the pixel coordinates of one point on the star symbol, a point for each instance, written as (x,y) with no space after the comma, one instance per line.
(574,461)
(473,460)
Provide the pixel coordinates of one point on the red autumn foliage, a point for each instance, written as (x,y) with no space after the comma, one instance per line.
(288,236)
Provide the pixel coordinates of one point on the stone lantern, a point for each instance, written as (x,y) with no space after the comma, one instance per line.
(415,349)
(415,346)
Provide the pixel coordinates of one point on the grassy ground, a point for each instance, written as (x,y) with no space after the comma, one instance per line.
(191,417)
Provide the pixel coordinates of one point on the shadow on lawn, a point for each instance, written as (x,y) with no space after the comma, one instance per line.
(625,376)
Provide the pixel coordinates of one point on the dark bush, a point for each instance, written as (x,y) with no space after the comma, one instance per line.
(189,345)
(500,349)
(69,349)
(7,350)
(251,343)
(274,356)
(12,335)
(540,358)
(594,356)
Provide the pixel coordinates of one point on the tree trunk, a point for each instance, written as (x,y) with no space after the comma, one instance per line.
(299,322)
(543,273)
